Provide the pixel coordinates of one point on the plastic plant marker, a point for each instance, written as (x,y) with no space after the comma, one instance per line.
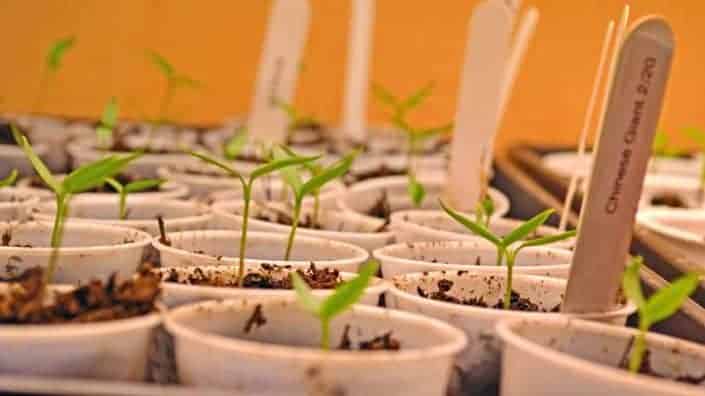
(476,119)
(278,68)
(357,71)
(619,166)
(587,124)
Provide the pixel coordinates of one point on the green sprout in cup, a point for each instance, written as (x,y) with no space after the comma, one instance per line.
(511,244)
(174,81)
(660,306)
(130,188)
(108,122)
(52,65)
(311,187)
(233,146)
(484,211)
(81,179)
(342,298)
(247,183)
(10,179)
(296,119)
(415,136)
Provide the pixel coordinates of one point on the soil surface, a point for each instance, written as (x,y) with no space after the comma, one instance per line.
(381,171)
(381,209)
(96,301)
(384,342)
(123,178)
(517,302)
(670,200)
(267,276)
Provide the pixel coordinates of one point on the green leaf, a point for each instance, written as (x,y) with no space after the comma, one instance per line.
(10,179)
(235,144)
(333,172)
(290,174)
(110,113)
(660,143)
(162,64)
(474,227)
(289,109)
(487,206)
(57,51)
(114,184)
(217,163)
(141,185)
(695,134)
(384,95)
(549,239)
(425,134)
(416,191)
(37,163)
(276,165)
(418,97)
(349,292)
(185,81)
(668,300)
(527,228)
(312,167)
(304,295)
(94,174)
(631,283)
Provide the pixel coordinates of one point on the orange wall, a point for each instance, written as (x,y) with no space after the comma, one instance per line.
(217,41)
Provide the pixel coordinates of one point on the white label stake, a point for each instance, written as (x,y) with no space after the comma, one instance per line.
(476,118)
(619,167)
(357,77)
(278,69)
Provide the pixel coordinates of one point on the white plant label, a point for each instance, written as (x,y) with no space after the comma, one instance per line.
(619,166)
(357,78)
(483,74)
(278,69)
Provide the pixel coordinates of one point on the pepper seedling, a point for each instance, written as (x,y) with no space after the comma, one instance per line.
(484,211)
(697,135)
(508,246)
(10,179)
(174,81)
(660,306)
(108,122)
(260,171)
(234,145)
(129,188)
(314,169)
(314,184)
(344,296)
(415,135)
(296,119)
(81,179)
(52,64)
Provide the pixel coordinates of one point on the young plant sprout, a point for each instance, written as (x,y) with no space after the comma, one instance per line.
(662,147)
(312,186)
(660,306)
(342,298)
(234,145)
(247,183)
(129,188)
(313,168)
(81,179)
(508,246)
(484,211)
(697,135)
(10,179)
(415,136)
(174,81)
(52,64)
(296,119)
(108,122)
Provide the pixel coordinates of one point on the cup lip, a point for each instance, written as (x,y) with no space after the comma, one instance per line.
(71,330)
(15,152)
(357,254)
(26,196)
(142,239)
(221,208)
(457,338)
(621,311)
(650,219)
(386,254)
(506,332)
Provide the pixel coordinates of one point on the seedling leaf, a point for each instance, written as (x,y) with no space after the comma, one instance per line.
(418,97)
(549,239)
(37,163)
(185,81)
(527,228)
(475,227)
(162,64)
(115,184)
(10,179)
(428,133)
(349,292)
(384,96)
(289,174)
(94,174)
(305,297)
(216,162)
(141,185)
(57,51)
(235,144)
(334,171)
(416,190)
(668,300)
(631,283)
(275,165)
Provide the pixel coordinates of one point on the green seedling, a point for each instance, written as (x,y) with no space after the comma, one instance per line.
(247,183)
(484,211)
(509,246)
(174,81)
(81,179)
(660,306)
(108,122)
(697,135)
(314,169)
(10,179)
(662,147)
(233,146)
(130,188)
(342,298)
(300,189)
(52,64)
(399,110)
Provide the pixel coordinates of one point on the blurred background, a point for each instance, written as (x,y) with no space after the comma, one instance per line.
(218,43)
